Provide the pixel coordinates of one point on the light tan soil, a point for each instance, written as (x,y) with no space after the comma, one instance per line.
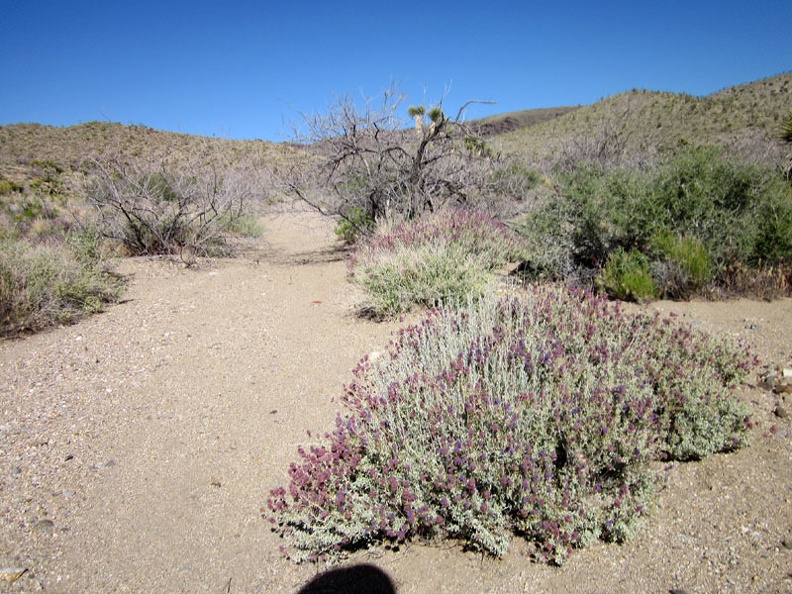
(137,447)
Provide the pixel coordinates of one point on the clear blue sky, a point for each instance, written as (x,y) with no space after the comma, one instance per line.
(242,69)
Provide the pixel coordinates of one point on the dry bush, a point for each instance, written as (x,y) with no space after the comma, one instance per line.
(152,210)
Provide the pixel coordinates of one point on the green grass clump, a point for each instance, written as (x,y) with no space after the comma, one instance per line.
(626,276)
(438,258)
(539,415)
(682,263)
(45,284)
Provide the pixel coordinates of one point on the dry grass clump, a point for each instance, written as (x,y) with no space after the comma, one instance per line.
(539,415)
(43,284)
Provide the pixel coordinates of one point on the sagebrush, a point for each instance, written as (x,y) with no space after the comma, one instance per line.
(539,415)
(43,284)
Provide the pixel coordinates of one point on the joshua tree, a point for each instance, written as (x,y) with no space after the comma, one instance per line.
(367,163)
(786,134)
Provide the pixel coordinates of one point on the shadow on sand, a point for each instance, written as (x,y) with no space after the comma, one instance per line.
(355,579)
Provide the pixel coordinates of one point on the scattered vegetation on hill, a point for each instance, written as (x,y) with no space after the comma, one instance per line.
(539,415)
(743,120)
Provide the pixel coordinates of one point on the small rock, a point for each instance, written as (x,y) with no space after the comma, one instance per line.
(781,412)
(677,591)
(11,574)
(768,375)
(787,541)
(110,463)
(43,526)
(783,388)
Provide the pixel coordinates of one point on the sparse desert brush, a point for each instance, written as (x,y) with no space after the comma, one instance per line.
(539,415)
(44,284)
(154,211)
(432,260)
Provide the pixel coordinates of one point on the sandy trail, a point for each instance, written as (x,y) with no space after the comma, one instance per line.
(138,446)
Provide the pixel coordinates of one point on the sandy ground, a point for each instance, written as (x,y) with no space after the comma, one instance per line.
(137,447)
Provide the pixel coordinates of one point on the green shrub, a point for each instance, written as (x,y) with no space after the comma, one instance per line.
(626,276)
(46,284)
(8,186)
(355,223)
(429,274)
(725,215)
(594,214)
(539,415)
(697,193)
(514,180)
(773,238)
(437,259)
(246,225)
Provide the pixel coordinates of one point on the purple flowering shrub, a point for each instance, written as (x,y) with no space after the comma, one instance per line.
(537,415)
(432,260)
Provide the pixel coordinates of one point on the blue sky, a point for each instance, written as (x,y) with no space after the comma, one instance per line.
(244,69)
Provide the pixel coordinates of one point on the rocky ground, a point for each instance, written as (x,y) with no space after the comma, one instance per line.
(137,447)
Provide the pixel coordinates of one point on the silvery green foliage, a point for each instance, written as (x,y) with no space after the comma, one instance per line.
(538,415)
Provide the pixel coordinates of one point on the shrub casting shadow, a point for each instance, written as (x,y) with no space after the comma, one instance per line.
(355,579)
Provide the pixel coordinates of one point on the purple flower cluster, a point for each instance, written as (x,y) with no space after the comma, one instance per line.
(536,415)
(476,231)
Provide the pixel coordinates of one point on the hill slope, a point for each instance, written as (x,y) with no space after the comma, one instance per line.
(744,118)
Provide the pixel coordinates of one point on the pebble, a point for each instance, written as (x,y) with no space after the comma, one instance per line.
(782,388)
(43,526)
(787,541)
(781,412)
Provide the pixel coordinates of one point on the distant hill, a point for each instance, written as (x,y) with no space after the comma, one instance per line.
(744,118)
(26,149)
(517,120)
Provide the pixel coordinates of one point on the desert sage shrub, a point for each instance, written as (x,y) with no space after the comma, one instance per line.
(44,284)
(538,415)
(431,260)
